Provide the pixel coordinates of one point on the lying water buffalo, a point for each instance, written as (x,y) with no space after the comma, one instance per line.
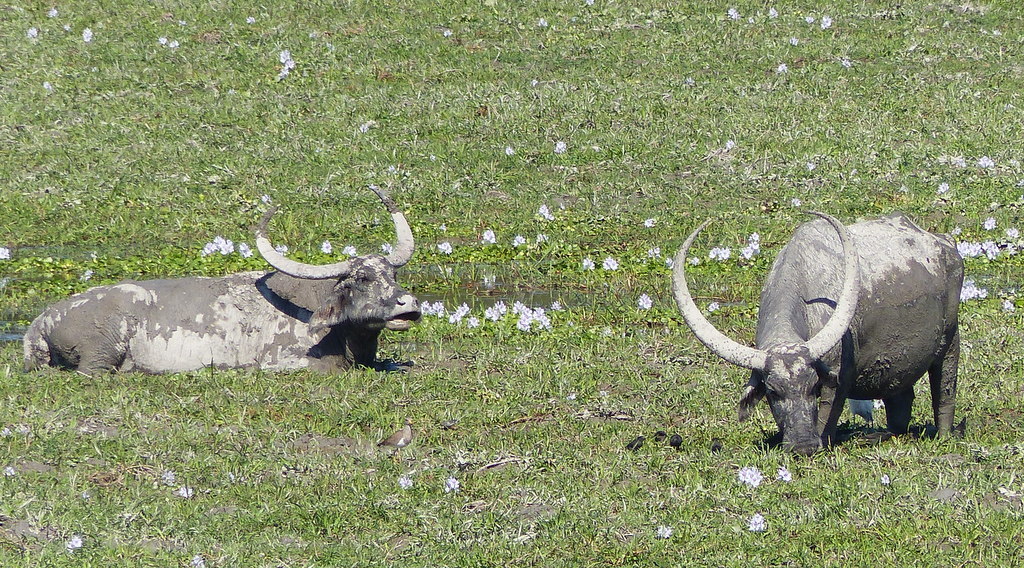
(861,312)
(322,317)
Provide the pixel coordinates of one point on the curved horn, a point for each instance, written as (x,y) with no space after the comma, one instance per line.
(291,267)
(846,304)
(403,251)
(713,339)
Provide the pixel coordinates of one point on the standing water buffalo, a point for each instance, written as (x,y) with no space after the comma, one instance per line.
(322,317)
(861,312)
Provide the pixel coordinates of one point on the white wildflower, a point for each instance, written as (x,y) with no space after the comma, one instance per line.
(518,241)
(560,147)
(74,543)
(757,523)
(644,303)
(451,485)
(326,247)
(750,475)
(349,250)
(488,237)
(405,482)
(971,291)
(458,314)
(87,35)
(664,532)
(720,254)
(496,312)
(588,264)
(168,478)
(545,213)
(610,264)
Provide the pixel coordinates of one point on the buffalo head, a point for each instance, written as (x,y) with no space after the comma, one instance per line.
(789,374)
(359,295)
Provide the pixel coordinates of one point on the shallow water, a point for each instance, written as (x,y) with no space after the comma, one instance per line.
(11,333)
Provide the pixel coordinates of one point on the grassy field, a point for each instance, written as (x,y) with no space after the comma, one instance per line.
(598,133)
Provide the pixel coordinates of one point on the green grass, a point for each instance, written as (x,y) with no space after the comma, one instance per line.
(141,154)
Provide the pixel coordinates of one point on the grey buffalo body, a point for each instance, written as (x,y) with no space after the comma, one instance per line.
(829,329)
(320,317)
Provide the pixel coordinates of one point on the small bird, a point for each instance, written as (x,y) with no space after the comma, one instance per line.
(660,436)
(675,441)
(401,438)
(635,444)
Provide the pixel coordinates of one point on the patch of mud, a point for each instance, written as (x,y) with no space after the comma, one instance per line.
(34,467)
(116,476)
(944,494)
(1004,499)
(97,427)
(536,512)
(293,541)
(26,535)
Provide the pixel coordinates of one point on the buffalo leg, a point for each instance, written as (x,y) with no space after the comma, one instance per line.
(897,411)
(942,378)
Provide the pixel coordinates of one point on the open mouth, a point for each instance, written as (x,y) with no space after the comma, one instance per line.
(403,321)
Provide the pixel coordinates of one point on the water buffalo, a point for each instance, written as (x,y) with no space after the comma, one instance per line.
(321,317)
(860,312)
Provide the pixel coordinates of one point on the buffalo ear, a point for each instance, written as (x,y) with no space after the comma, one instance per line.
(829,378)
(751,396)
(309,295)
(328,314)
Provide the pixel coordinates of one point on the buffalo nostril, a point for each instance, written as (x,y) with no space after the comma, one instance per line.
(805,448)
